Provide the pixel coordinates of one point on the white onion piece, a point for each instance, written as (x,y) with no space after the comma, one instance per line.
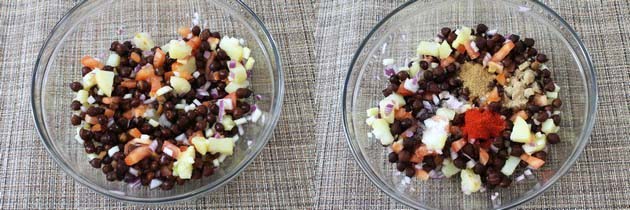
(164,122)
(181,137)
(113,151)
(155,183)
(133,171)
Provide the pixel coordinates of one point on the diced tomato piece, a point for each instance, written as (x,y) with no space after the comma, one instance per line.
(534,162)
(155,83)
(145,73)
(483,156)
(447,61)
(501,79)
(91,62)
(397,147)
(168,75)
(401,114)
(135,133)
(194,42)
(109,113)
(135,57)
(471,52)
(159,58)
(174,150)
(457,145)
(96,128)
(137,155)
(493,96)
(403,91)
(503,52)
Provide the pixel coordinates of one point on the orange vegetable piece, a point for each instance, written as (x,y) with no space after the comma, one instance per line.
(493,96)
(109,113)
(503,52)
(423,151)
(91,120)
(483,156)
(135,57)
(397,147)
(501,79)
(457,145)
(145,73)
(155,84)
(403,91)
(194,42)
(233,98)
(461,48)
(534,162)
(183,31)
(416,159)
(159,58)
(174,149)
(135,133)
(139,111)
(422,175)
(447,61)
(96,128)
(168,75)
(401,114)
(137,155)
(91,62)
(471,52)
(521,114)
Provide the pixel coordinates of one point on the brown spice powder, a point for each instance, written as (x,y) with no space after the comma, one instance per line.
(475,78)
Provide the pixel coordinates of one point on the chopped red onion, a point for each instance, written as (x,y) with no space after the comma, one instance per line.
(519,178)
(435,174)
(142,97)
(389,72)
(221,110)
(217,135)
(436,100)
(137,68)
(258,97)
(249,74)
(83,109)
(253,107)
(135,184)
(528,172)
(153,145)
(206,54)
(232,64)
(203,92)
(492,32)
(486,59)
(147,53)
(214,93)
(494,148)
(167,151)
(164,122)
(389,108)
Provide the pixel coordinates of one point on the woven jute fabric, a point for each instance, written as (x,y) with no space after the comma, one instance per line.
(280,177)
(599,180)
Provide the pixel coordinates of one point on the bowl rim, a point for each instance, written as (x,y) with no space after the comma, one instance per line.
(265,136)
(592,102)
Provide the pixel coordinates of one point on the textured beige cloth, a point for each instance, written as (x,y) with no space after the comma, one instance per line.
(307,163)
(600,178)
(280,177)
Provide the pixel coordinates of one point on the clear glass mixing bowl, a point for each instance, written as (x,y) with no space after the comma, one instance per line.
(397,36)
(90,27)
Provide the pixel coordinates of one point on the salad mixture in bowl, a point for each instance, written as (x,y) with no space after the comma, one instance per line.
(153,104)
(474,104)
(161,115)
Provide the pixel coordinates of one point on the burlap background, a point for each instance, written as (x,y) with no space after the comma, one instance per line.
(313,169)
(280,177)
(600,178)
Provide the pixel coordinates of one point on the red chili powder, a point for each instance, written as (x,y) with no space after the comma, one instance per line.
(482,124)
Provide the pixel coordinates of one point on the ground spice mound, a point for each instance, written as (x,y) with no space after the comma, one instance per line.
(482,124)
(475,78)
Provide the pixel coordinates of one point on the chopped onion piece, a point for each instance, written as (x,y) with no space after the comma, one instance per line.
(196,102)
(91,100)
(180,106)
(240,121)
(144,137)
(153,145)
(113,151)
(155,183)
(256,115)
(181,137)
(168,151)
(153,123)
(127,96)
(196,74)
(133,171)
(163,90)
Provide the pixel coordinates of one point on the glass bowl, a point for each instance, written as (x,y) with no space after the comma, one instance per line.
(90,27)
(397,36)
